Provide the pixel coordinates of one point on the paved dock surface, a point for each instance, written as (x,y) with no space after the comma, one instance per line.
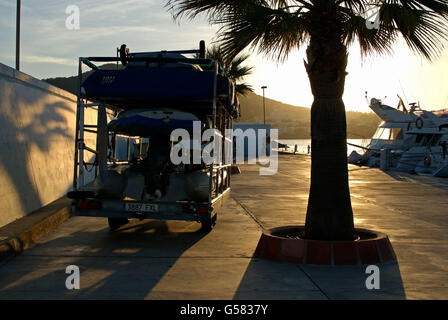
(175,260)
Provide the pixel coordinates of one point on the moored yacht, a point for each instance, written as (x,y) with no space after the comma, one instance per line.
(411,141)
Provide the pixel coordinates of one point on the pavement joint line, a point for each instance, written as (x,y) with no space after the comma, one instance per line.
(313,282)
(250,214)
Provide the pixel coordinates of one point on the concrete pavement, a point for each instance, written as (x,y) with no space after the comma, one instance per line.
(174,260)
(412,210)
(154,260)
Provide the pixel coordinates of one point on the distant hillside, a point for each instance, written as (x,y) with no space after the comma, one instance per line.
(293,122)
(70,84)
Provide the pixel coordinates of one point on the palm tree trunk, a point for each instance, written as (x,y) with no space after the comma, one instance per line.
(329,214)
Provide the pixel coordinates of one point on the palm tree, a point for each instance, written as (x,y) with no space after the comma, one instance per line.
(327,27)
(233,68)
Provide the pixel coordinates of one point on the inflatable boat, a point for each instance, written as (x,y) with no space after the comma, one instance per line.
(149,122)
(158,80)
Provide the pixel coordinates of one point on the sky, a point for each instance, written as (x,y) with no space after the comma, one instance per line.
(50,49)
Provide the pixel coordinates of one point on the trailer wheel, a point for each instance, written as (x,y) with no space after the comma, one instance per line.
(115,223)
(208,224)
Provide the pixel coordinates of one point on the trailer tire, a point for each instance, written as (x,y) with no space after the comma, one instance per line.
(208,224)
(115,223)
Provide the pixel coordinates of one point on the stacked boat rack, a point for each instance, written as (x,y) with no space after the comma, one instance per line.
(150,95)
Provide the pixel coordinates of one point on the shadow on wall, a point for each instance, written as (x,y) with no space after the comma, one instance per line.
(36,143)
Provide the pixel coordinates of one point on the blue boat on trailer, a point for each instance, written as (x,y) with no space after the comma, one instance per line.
(151,95)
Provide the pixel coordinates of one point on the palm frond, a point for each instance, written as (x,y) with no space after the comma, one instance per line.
(266,25)
(275,27)
(437,6)
(238,72)
(244,88)
(370,40)
(233,67)
(417,22)
(270,31)
(212,8)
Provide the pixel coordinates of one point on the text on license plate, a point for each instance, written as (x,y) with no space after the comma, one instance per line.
(141,207)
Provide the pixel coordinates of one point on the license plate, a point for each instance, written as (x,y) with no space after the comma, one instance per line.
(141,207)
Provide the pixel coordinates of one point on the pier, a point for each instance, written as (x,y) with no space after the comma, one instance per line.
(153,259)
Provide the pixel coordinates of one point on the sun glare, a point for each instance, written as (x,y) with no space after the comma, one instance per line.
(384,77)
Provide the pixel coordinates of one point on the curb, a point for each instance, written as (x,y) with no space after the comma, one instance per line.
(331,253)
(23,233)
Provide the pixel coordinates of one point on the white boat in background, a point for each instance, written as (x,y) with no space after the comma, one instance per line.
(412,141)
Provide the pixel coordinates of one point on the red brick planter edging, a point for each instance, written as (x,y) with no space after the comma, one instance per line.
(376,249)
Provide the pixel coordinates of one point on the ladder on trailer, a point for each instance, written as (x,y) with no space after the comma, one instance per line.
(100,149)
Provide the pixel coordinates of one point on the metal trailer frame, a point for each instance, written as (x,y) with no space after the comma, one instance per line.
(85,203)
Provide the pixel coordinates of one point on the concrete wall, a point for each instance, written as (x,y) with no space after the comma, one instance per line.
(37,128)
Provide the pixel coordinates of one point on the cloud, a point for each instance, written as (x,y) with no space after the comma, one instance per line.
(145,25)
(87,34)
(119,7)
(48,59)
(9,4)
(13,5)
(96,32)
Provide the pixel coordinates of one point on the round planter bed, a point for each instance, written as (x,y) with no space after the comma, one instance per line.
(285,244)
